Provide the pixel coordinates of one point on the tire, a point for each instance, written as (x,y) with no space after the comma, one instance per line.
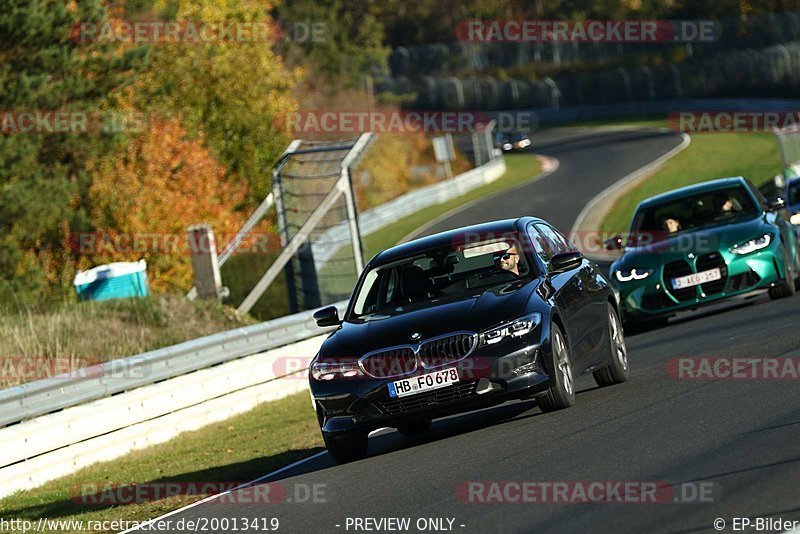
(346,447)
(562,393)
(786,287)
(417,426)
(618,368)
(797,269)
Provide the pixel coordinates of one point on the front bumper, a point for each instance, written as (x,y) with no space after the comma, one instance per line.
(493,374)
(652,298)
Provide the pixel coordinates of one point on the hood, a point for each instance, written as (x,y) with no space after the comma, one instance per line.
(703,241)
(473,313)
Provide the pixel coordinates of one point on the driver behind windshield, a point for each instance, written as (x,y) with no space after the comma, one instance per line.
(671,224)
(727,205)
(508,260)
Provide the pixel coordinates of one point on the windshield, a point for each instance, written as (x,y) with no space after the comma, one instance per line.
(721,206)
(794,193)
(444,273)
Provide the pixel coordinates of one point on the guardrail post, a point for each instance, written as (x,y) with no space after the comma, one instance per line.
(203,251)
(555,94)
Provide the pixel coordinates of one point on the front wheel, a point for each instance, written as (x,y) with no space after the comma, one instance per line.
(346,447)
(562,393)
(617,370)
(797,268)
(786,287)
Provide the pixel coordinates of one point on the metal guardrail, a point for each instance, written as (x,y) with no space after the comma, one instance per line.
(52,394)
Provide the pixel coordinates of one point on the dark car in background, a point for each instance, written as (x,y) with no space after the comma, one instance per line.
(793,202)
(703,243)
(460,320)
(512,141)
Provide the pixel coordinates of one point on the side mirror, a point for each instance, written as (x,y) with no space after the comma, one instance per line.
(775,204)
(613,243)
(566,261)
(327,317)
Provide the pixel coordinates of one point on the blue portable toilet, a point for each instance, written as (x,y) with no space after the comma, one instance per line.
(113,281)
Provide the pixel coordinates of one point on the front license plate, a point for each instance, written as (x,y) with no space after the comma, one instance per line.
(422,383)
(696,279)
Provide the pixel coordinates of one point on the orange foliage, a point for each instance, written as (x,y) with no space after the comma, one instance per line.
(162,183)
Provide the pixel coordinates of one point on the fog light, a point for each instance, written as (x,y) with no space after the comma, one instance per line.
(485,386)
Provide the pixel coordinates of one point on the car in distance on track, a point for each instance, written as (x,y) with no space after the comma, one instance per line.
(512,141)
(461,320)
(702,243)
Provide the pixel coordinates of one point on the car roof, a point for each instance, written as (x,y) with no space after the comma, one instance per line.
(449,237)
(693,189)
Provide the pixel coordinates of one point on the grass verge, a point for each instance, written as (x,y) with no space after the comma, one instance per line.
(709,156)
(36,344)
(237,450)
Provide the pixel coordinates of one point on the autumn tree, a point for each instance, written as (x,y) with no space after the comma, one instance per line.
(145,197)
(43,179)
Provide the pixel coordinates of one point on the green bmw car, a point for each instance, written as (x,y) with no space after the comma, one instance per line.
(700,244)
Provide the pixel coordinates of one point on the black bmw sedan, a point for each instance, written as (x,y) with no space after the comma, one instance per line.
(462,320)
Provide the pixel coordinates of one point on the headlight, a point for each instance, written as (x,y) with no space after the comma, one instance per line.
(625,275)
(507,146)
(328,370)
(516,328)
(754,244)
(795,218)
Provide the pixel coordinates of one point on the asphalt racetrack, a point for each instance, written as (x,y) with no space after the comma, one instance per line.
(717,449)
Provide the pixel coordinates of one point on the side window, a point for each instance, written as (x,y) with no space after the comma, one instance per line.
(541,246)
(565,245)
(547,242)
(557,243)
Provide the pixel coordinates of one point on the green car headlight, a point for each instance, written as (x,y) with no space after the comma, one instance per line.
(757,243)
(795,218)
(627,275)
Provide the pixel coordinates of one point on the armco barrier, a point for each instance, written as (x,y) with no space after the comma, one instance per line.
(52,394)
(60,443)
